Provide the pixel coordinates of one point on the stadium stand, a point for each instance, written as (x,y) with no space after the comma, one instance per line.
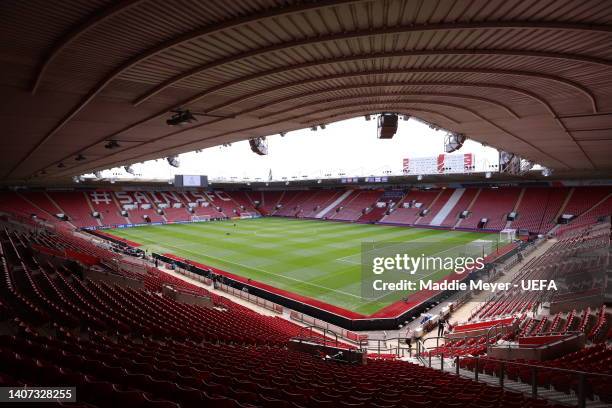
(41,201)
(462,205)
(49,290)
(352,207)
(76,206)
(317,202)
(242,199)
(514,318)
(105,203)
(492,205)
(268,201)
(290,203)
(435,206)
(538,209)
(407,212)
(121,345)
(271,312)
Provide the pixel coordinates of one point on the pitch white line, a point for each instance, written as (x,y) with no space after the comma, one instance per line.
(266,272)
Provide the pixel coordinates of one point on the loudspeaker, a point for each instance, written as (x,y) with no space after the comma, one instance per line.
(387,125)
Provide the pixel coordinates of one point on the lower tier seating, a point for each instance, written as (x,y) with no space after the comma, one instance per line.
(122,371)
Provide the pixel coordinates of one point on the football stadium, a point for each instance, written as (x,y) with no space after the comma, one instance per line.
(304,204)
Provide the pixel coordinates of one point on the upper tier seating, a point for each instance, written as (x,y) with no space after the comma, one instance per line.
(16,204)
(593,214)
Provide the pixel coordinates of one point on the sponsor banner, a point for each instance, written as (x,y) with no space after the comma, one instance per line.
(95,228)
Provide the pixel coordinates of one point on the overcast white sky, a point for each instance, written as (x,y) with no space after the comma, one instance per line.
(349,147)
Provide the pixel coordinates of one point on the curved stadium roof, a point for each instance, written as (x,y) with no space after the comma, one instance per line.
(532,77)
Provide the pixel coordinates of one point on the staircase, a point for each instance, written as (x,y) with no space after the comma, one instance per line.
(334,204)
(448,207)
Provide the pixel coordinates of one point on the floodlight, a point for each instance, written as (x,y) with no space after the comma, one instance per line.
(259,145)
(173,161)
(453,142)
(112,144)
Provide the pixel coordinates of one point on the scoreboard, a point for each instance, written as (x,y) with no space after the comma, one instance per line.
(182,180)
(441,164)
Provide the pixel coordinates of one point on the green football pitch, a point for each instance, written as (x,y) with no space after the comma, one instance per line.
(318,259)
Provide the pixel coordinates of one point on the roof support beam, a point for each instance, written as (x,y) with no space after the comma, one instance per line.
(140,57)
(102,16)
(433,53)
(94,92)
(366,33)
(374,95)
(93,21)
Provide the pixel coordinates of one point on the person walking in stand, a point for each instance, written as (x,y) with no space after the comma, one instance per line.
(441,326)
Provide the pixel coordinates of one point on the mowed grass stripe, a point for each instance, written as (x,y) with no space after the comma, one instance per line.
(302,256)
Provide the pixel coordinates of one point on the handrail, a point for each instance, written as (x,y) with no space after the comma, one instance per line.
(552,333)
(316,339)
(566,370)
(398,349)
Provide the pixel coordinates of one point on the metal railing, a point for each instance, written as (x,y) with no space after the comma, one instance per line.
(308,333)
(582,383)
(396,345)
